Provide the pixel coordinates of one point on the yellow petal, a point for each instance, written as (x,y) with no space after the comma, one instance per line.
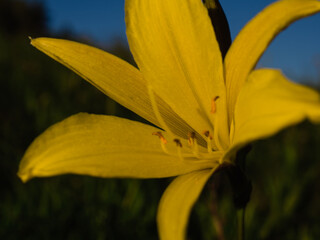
(176,204)
(114,77)
(175,48)
(103,146)
(267,103)
(254,38)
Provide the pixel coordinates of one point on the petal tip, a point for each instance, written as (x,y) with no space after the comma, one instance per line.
(25,172)
(33,41)
(23,176)
(39,42)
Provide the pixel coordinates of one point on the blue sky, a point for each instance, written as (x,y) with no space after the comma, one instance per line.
(296,50)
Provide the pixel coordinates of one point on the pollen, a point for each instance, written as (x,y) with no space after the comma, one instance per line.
(159,134)
(213,104)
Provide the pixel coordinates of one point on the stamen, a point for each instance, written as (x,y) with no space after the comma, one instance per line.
(159,134)
(179,146)
(193,143)
(207,133)
(178,142)
(191,138)
(209,140)
(163,141)
(213,104)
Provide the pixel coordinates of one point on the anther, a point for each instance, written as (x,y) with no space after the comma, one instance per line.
(179,146)
(207,134)
(193,143)
(209,140)
(178,142)
(191,138)
(213,104)
(159,134)
(163,141)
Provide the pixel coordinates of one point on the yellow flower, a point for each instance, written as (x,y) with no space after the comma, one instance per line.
(208,108)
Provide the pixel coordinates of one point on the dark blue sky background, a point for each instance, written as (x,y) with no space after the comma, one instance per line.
(296,50)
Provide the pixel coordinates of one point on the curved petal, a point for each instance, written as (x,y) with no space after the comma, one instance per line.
(103,146)
(175,48)
(254,38)
(176,204)
(267,103)
(114,77)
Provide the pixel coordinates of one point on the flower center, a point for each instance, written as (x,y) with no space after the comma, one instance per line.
(186,149)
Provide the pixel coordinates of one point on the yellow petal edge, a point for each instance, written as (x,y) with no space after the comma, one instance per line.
(254,38)
(268,103)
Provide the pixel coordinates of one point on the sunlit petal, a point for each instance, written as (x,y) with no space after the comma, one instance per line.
(114,77)
(267,103)
(176,204)
(103,146)
(254,38)
(175,48)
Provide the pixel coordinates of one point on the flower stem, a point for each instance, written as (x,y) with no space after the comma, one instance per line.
(213,207)
(241,223)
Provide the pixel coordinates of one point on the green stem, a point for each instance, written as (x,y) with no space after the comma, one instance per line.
(241,229)
(213,206)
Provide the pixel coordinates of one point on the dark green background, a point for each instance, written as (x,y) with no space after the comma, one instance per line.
(36,92)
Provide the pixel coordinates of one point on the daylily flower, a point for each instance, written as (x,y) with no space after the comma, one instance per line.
(207,108)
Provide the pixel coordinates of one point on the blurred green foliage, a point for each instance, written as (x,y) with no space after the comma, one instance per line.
(36,92)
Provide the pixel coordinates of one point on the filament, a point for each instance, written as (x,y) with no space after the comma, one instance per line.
(209,141)
(156,111)
(179,147)
(163,141)
(193,143)
(216,134)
